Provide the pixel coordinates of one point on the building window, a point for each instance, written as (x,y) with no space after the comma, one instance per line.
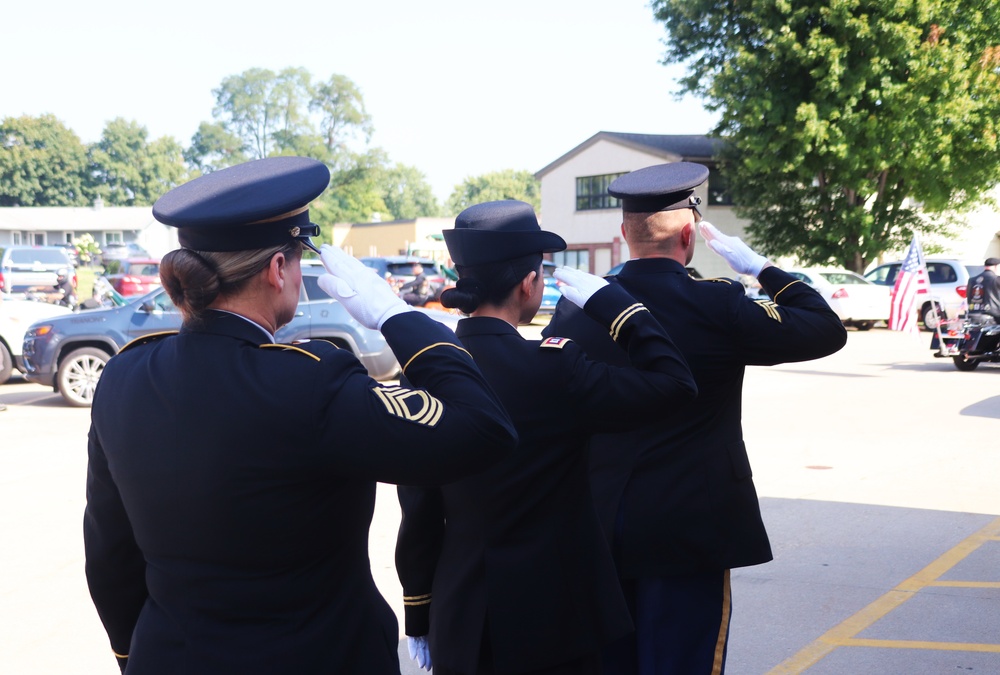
(68,237)
(37,238)
(592,192)
(579,259)
(113,238)
(16,239)
(718,189)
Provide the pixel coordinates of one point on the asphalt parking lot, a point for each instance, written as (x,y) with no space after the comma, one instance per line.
(877,471)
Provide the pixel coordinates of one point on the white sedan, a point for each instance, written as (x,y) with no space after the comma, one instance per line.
(857,301)
(15,317)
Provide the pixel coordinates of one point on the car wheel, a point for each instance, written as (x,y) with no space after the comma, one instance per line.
(78,375)
(964,364)
(6,363)
(930,316)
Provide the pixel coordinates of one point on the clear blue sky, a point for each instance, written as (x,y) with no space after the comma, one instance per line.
(455,88)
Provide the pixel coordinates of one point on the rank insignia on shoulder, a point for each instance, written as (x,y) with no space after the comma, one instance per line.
(412,405)
(554,342)
(770,307)
(146,339)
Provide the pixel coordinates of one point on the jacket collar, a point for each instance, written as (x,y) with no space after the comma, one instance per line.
(484,325)
(232,325)
(652,266)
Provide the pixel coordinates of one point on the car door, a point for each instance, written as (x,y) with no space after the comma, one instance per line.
(153,313)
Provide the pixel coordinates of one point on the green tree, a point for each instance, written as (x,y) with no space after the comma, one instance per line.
(129,170)
(42,163)
(849,124)
(507,184)
(407,194)
(213,147)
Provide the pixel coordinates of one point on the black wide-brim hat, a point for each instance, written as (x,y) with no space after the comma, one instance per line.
(495,231)
(254,205)
(664,187)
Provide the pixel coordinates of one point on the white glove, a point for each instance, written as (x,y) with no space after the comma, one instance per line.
(420,651)
(579,286)
(739,256)
(362,292)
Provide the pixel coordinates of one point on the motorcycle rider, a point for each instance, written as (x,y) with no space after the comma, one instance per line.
(984,294)
(64,284)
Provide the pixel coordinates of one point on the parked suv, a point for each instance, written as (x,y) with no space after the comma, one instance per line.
(68,353)
(948,278)
(22,267)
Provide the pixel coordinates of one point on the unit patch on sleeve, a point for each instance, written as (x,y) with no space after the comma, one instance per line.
(770,307)
(554,342)
(412,405)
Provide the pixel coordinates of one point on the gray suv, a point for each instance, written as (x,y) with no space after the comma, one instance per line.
(22,267)
(68,352)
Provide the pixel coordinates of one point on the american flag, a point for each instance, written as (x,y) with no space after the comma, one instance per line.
(911,282)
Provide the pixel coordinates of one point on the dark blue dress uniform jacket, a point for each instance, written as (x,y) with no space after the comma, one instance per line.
(231,486)
(684,483)
(522,548)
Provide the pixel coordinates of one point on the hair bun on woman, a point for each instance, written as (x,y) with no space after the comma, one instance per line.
(466,295)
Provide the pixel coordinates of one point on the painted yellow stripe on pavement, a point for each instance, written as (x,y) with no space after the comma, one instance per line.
(843,634)
(919,644)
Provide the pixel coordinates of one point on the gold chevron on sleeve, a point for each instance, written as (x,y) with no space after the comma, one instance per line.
(627,313)
(412,405)
(770,308)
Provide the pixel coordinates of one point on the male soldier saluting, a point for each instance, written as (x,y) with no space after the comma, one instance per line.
(676,496)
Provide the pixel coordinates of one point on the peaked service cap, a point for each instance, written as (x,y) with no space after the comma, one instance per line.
(249,206)
(496,231)
(663,187)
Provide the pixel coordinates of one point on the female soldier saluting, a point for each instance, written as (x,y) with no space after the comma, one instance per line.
(507,570)
(231,480)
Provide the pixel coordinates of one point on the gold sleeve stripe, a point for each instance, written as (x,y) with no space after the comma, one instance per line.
(769,307)
(416,603)
(397,401)
(415,598)
(429,347)
(292,348)
(616,325)
(119,656)
(797,281)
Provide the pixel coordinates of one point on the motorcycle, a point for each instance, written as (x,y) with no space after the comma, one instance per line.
(968,341)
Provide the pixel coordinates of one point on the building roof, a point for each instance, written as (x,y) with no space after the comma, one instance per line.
(671,147)
(75,218)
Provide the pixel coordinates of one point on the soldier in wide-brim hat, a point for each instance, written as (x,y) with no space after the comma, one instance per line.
(507,570)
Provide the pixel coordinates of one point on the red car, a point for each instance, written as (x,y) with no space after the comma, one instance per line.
(136,276)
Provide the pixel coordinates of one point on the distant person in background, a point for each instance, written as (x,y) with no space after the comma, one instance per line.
(984,293)
(506,571)
(676,496)
(417,291)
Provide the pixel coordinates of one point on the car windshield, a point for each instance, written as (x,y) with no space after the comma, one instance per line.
(843,278)
(405,269)
(39,255)
(143,269)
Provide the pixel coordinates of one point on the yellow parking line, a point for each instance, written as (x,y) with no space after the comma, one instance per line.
(843,634)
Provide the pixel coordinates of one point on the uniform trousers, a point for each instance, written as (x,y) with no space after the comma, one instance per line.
(587,665)
(681,626)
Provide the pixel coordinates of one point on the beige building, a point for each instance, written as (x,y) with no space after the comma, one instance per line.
(52,225)
(420,236)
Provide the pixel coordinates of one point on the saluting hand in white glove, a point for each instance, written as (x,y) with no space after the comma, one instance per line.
(363,293)
(740,257)
(579,286)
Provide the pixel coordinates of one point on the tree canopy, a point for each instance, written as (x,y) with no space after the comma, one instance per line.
(42,163)
(849,124)
(506,184)
(128,170)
